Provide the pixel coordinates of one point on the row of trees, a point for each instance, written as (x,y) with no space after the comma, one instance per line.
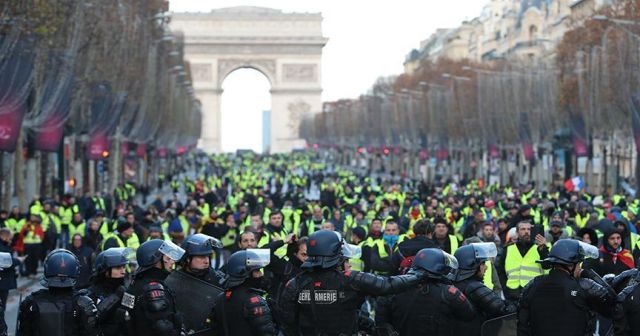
(95,75)
(586,95)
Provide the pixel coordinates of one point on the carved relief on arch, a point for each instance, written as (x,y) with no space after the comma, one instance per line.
(227,66)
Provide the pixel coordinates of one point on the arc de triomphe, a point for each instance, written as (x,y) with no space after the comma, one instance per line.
(285,47)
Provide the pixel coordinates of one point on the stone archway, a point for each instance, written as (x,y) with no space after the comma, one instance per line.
(285,47)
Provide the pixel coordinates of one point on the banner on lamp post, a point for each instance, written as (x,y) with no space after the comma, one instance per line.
(49,137)
(11,116)
(578,134)
(98,147)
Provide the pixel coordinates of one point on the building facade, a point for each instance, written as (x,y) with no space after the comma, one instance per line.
(512,29)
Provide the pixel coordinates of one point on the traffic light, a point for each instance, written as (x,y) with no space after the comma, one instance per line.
(72,182)
(105,154)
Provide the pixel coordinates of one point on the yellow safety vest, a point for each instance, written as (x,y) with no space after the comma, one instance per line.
(229,239)
(486,279)
(454,243)
(634,241)
(582,221)
(204,209)
(66,215)
(272,236)
(133,242)
(520,270)
(31,238)
(357,264)
(48,218)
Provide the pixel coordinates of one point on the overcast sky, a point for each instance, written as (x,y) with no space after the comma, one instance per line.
(367,39)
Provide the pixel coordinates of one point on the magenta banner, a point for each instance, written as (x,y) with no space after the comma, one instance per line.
(578,134)
(49,137)
(162,152)
(141,151)
(10,122)
(443,153)
(424,154)
(494,152)
(124,148)
(527,150)
(98,147)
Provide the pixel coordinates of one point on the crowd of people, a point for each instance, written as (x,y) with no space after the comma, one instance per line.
(292,244)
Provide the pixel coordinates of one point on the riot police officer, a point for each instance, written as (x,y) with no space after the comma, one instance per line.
(432,307)
(469,279)
(107,289)
(57,310)
(196,279)
(241,310)
(197,258)
(627,317)
(325,298)
(564,301)
(149,301)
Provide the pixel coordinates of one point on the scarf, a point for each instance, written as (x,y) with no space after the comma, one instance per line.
(623,255)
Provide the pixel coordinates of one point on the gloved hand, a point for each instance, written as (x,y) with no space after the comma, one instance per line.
(418,272)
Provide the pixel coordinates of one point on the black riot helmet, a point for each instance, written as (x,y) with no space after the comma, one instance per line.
(471,256)
(437,263)
(113,257)
(242,263)
(200,244)
(324,250)
(151,251)
(61,269)
(327,249)
(569,252)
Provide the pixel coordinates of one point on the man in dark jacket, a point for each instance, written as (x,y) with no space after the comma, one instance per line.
(614,258)
(423,230)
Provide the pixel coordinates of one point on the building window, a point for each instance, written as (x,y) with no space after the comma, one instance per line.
(533,33)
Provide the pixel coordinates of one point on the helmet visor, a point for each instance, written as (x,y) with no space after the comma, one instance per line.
(115,255)
(348,250)
(6,260)
(351,251)
(171,250)
(485,250)
(589,251)
(215,243)
(450,261)
(258,257)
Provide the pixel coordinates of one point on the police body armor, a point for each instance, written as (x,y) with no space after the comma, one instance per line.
(328,305)
(151,305)
(186,288)
(558,294)
(61,315)
(487,303)
(54,316)
(430,309)
(112,317)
